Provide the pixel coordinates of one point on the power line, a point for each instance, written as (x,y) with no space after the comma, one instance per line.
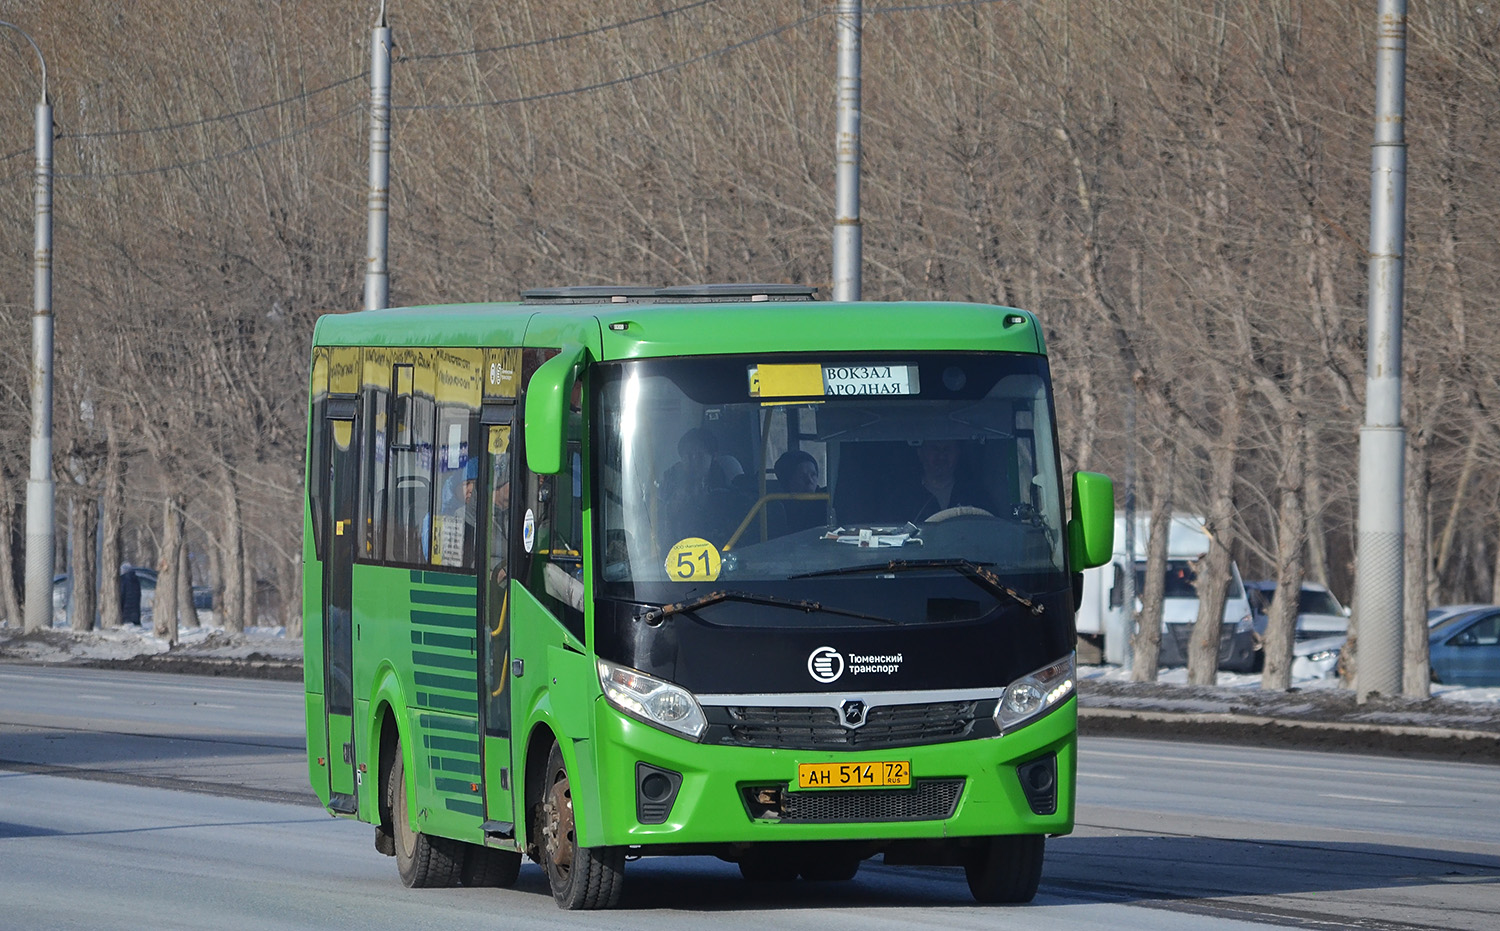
(552,40)
(615,82)
(914,8)
(163,169)
(204,121)
(528,98)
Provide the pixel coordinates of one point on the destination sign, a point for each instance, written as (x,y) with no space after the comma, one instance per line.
(812,380)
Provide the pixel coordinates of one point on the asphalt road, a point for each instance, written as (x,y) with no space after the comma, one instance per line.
(96,832)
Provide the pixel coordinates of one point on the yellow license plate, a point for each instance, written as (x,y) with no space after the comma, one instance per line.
(853,775)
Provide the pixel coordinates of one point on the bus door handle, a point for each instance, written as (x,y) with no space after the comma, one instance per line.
(517,668)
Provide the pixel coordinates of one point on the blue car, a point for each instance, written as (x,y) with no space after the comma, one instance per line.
(1465,648)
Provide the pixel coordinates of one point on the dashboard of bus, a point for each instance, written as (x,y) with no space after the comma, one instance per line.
(833,489)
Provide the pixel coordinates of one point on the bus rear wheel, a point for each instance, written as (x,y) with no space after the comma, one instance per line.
(580,877)
(424,862)
(1007,869)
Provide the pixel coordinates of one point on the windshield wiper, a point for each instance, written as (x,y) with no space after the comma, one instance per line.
(973,570)
(655,615)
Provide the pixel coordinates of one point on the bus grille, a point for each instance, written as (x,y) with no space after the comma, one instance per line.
(813,728)
(926,800)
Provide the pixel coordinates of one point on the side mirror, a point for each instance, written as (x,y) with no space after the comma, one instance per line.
(1091,531)
(547,397)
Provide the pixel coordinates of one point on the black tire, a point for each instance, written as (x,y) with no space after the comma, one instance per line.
(488,867)
(580,877)
(830,869)
(1006,869)
(424,862)
(759,868)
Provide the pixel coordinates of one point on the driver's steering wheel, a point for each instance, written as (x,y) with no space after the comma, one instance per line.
(962,510)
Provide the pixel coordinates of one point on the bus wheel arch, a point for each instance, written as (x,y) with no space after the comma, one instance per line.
(538,746)
(424,861)
(385,758)
(579,877)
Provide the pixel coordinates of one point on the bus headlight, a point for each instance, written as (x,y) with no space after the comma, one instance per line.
(652,700)
(1032,696)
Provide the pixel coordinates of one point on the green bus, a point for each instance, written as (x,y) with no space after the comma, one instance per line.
(720,570)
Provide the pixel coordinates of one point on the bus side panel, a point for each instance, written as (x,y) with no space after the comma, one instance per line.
(317,739)
(312,664)
(386,700)
(565,710)
(437,643)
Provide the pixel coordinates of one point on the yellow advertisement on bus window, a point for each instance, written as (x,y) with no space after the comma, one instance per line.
(460,376)
(424,372)
(377,367)
(320,374)
(343,370)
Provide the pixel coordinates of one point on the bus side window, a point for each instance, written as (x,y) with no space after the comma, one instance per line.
(411,465)
(558,501)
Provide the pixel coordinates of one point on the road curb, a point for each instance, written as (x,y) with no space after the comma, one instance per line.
(1386,739)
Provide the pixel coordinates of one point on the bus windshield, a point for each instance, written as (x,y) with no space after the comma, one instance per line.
(790,477)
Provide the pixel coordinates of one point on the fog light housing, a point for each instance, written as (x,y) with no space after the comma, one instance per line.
(655,792)
(1039,783)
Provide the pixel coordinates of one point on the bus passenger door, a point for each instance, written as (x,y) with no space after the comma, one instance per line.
(338,629)
(499,781)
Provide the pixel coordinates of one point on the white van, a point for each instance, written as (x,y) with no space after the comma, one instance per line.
(1102,611)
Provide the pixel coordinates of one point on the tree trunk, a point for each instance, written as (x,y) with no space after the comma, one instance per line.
(81,601)
(1415,669)
(111,506)
(1457,514)
(1291,539)
(289,587)
(1495,579)
(1317,536)
(231,610)
(186,610)
(168,567)
(10,605)
(1147,643)
(1213,571)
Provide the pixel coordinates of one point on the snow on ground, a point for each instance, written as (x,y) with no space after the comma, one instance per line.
(208,641)
(1177,675)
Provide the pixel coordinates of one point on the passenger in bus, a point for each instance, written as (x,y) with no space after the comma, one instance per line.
(941,484)
(695,495)
(797,473)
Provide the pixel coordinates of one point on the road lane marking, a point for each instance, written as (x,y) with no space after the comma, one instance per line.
(1362,798)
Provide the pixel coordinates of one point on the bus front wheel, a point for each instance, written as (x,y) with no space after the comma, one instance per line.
(580,877)
(424,862)
(1006,869)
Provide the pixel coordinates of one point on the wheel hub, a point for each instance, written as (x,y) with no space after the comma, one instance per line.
(557,830)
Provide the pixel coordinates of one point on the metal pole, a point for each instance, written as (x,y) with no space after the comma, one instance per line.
(40,492)
(377,274)
(1382,439)
(846,225)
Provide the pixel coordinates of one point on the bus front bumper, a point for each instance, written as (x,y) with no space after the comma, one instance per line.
(745,795)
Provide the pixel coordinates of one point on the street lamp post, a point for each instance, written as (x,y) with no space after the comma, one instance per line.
(40,491)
